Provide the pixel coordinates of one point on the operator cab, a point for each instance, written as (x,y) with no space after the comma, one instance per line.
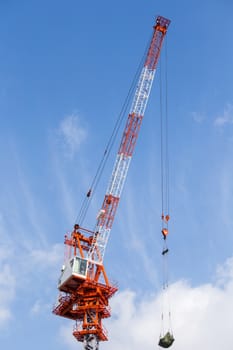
(73,273)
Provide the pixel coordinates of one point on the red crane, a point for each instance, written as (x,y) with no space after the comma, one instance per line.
(84,288)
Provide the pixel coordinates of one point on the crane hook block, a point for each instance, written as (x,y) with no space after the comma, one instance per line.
(165,251)
(165,218)
(165,232)
(166,341)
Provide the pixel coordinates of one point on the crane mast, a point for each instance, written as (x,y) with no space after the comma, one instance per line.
(84,288)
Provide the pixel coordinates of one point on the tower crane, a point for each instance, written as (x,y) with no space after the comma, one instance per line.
(84,288)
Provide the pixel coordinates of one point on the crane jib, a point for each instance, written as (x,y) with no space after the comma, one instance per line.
(128,142)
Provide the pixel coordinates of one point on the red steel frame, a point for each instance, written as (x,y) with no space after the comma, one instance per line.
(86,299)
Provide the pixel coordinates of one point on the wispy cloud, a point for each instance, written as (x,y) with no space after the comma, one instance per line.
(225,273)
(66,140)
(224,188)
(199,313)
(7,293)
(32,206)
(64,188)
(18,270)
(39,307)
(226,117)
(49,257)
(72,134)
(7,277)
(137,323)
(134,225)
(26,250)
(198,117)
(65,334)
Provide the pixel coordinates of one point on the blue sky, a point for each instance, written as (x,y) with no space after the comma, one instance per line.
(66,67)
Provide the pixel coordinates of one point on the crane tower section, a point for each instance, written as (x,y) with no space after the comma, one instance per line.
(84,288)
(108,210)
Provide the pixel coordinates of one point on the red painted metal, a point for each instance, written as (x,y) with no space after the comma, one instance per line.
(84,296)
(160,30)
(130,134)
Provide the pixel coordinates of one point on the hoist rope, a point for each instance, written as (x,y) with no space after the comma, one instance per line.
(87,199)
(161,140)
(166,309)
(164,149)
(166,131)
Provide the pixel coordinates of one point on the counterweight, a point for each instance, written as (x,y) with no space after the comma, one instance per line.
(83,285)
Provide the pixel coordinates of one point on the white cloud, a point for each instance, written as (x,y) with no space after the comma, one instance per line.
(51,256)
(39,306)
(198,117)
(5,316)
(65,334)
(28,271)
(65,188)
(226,117)
(7,277)
(32,206)
(7,294)
(72,134)
(225,273)
(135,244)
(66,141)
(202,317)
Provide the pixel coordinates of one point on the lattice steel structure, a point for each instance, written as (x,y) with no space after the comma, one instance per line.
(84,286)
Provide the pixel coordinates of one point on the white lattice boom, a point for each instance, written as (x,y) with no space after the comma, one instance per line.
(108,210)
